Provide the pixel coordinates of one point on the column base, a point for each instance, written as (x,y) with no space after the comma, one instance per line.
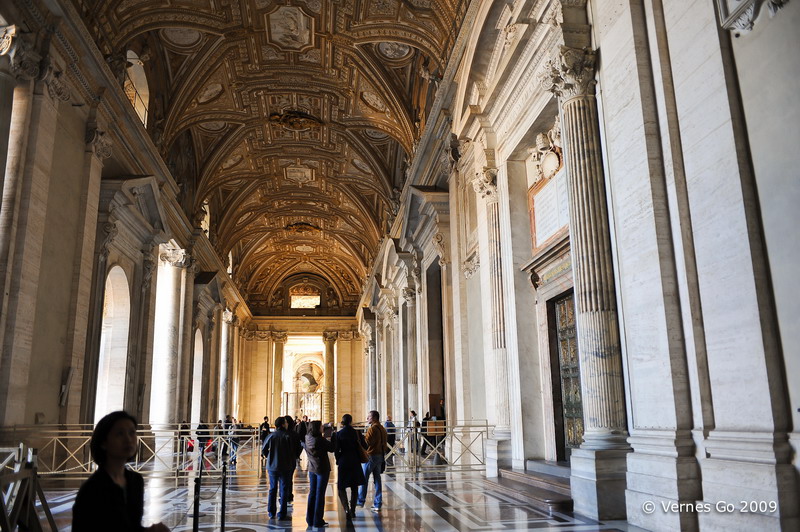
(660,486)
(498,454)
(597,482)
(742,484)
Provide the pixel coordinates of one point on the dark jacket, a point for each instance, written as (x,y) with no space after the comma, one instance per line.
(348,458)
(281,451)
(317,450)
(102,505)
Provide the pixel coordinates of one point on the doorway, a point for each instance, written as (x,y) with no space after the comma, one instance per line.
(566,378)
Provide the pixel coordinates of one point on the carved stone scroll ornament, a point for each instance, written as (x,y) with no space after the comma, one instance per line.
(279,336)
(471,266)
(99,142)
(485,183)
(441,247)
(409,295)
(149,265)
(54,81)
(173,256)
(570,73)
(111,231)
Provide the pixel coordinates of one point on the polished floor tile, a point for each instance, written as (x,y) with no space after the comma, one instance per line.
(434,502)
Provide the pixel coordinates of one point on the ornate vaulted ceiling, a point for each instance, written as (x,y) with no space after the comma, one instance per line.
(292,122)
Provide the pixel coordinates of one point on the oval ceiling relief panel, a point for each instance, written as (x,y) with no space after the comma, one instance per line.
(209,93)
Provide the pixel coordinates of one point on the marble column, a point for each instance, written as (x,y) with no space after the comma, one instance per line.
(8,82)
(410,297)
(166,346)
(279,340)
(330,377)
(598,472)
(485,185)
(372,386)
(187,339)
(224,365)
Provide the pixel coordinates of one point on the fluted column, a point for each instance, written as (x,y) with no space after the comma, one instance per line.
(225,365)
(279,339)
(327,397)
(187,340)
(599,465)
(410,297)
(166,346)
(571,77)
(485,185)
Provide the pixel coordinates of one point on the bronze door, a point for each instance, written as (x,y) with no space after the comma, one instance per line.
(569,373)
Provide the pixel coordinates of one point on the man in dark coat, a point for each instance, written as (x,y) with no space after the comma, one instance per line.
(348,453)
(281,453)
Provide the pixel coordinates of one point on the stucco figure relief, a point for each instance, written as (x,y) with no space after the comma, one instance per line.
(290,28)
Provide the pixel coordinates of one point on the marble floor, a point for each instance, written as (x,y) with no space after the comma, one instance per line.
(433,502)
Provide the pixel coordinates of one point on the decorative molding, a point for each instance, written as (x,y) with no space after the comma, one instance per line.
(485,183)
(739,16)
(174,257)
(148,265)
(330,336)
(98,142)
(111,230)
(441,247)
(471,266)
(546,156)
(25,63)
(570,74)
(53,79)
(409,295)
(262,335)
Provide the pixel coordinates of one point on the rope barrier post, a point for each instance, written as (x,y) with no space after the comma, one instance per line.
(224,484)
(197,483)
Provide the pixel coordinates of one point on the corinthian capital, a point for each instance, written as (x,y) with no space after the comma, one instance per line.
(173,257)
(410,295)
(279,336)
(24,62)
(570,73)
(330,336)
(485,183)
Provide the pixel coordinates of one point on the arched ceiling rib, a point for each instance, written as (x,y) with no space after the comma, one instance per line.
(301,115)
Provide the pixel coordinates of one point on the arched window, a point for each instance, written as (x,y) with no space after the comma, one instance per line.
(304,295)
(197,377)
(113,344)
(136,86)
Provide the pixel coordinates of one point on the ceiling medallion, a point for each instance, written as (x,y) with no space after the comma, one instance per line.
(290,29)
(376,134)
(394,50)
(214,126)
(232,161)
(304,249)
(211,91)
(181,38)
(361,165)
(294,120)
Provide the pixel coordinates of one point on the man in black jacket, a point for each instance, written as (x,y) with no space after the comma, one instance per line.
(281,451)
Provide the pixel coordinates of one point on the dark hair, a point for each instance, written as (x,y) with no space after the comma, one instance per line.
(414,413)
(280,422)
(347,419)
(315,429)
(101,431)
(374,415)
(289,422)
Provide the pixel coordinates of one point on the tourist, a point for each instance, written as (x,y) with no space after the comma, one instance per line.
(377,448)
(279,448)
(113,497)
(348,460)
(319,470)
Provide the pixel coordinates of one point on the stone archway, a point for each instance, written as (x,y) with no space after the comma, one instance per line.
(113,344)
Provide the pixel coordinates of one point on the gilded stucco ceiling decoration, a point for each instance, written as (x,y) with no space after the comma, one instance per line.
(301,114)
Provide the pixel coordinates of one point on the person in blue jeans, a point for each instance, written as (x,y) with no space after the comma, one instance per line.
(319,471)
(281,453)
(376,438)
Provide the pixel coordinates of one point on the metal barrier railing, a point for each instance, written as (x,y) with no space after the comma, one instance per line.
(168,451)
(19,491)
(173,451)
(438,446)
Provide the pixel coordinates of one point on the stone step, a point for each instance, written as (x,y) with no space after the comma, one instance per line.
(542,499)
(538,480)
(557,469)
